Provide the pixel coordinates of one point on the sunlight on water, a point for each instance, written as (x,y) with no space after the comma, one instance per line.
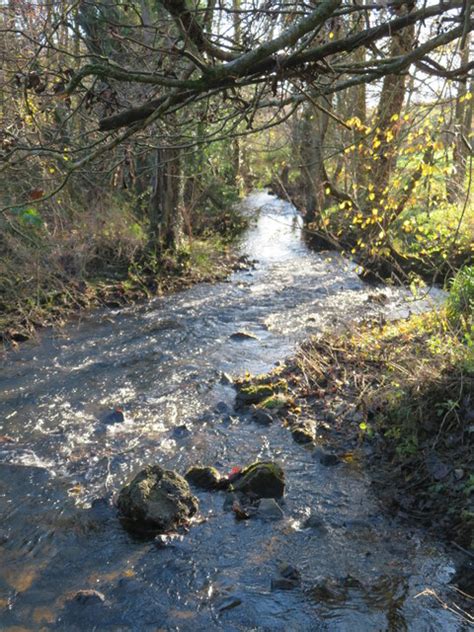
(161,363)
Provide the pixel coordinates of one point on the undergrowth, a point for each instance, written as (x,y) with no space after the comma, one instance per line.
(412,384)
(55,264)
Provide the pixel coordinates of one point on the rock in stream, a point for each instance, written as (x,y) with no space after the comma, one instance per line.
(157,500)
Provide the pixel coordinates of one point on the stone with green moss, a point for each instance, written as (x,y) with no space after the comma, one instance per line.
(248,395)
(157,500)
(263,479)
(274,402)
(204,477)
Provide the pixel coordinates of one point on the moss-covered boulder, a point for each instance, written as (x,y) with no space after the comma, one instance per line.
(157,500)
(261,479)
(205,478)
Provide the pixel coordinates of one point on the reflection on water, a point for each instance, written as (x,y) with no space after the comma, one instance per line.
(161,362)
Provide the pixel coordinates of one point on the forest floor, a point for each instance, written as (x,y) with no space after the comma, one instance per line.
(399,398)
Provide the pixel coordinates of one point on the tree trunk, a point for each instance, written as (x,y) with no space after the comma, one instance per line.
(165,207)
(311,134)
(388,112)
(463,123)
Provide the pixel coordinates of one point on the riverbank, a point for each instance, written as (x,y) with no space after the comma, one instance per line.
(396,397)
(60,300)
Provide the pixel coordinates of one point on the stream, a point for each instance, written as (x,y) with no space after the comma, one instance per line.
(162,362)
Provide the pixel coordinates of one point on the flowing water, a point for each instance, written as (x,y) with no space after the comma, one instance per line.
(59,531)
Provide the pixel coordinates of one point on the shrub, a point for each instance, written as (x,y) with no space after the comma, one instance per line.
(461,298)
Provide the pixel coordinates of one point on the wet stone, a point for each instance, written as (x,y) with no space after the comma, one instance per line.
(116,416)
(269,510)
(262,416)
(226,378)
(181,431)
(228,602)
(303,433)
(261,479)
(329,459)
(243,335)
(88,597)
(288,578)
(314,522)
(157,500)
(207,478)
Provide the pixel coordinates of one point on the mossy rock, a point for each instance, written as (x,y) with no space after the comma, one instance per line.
(157,500)
(207,478)
(277,401)
(262,479)
(248,395)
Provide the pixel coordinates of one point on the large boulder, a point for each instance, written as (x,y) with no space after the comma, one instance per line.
(157,500)
(261,479)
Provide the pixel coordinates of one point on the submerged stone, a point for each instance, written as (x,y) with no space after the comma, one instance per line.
(289,578)
(313,521)
(227,602)
(157,500)
(269,510)
(116,416)
(328,459)
(181,431)
(263,479)
(243,335)
(204,477)
(88,597)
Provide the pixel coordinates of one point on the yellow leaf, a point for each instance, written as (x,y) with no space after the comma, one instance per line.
(331,35)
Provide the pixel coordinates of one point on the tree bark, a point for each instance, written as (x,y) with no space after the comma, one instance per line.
(165,206)
(463,124)
(389,109)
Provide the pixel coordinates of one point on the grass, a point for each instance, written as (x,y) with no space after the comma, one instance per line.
(411,384)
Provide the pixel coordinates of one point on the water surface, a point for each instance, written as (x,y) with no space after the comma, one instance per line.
(162,362)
